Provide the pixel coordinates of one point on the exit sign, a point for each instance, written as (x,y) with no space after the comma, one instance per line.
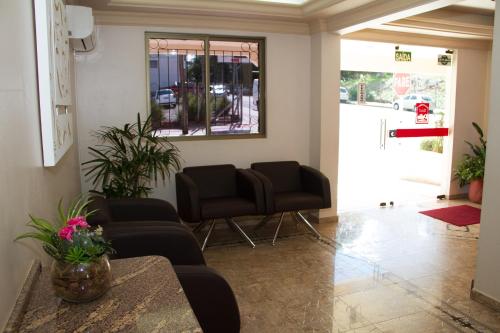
(402,56)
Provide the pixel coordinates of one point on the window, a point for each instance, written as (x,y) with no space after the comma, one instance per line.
(186,71)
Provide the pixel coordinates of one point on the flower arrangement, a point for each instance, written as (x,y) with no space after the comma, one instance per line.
(71,239)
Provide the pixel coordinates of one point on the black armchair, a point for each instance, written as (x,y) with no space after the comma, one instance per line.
(291,187)
(207,193)
(142,227)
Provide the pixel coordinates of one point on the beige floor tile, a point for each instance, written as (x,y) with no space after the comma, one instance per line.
(420,322)
(381,270)
(383,303)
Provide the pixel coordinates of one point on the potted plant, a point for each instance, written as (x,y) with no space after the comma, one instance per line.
(471,169)
(128,159)
(80,271)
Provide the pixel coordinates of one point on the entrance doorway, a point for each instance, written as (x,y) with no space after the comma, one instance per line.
(395,109)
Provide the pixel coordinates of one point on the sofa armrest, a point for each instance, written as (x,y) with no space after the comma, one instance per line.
(267,187)
(313,181)
(137,209)
(188,198)
(144,238)
(211,299)
(250,187)
(100,214)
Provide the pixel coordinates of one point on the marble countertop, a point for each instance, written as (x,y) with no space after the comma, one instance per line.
(145,296)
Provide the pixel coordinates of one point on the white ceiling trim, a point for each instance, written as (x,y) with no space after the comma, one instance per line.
(217,7)
(373,14)
(396,37)
(127,18)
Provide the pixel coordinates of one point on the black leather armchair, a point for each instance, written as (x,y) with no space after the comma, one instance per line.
(291,187)
(142,227)
(207,193)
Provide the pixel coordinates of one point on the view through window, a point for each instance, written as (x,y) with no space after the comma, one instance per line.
(185,72)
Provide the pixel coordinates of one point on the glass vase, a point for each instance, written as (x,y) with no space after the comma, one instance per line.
(83,282)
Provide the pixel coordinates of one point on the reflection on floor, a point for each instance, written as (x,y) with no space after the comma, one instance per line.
(381,270)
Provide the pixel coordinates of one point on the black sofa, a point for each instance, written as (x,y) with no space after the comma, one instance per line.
(141,227)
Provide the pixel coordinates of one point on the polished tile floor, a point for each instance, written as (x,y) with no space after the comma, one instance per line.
(379,270)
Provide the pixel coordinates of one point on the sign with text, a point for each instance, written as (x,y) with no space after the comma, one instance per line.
(361,93)
(402,83)
(444,59)
(402,56)
(422,113)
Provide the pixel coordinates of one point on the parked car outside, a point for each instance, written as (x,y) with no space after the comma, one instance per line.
(166,97)
(218,90)
(408,102)
(344,95)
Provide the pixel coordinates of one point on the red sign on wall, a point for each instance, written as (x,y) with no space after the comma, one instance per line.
(422,111)
(402,83)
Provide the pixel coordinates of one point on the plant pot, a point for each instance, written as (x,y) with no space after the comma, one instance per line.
(476,191)
(81,282)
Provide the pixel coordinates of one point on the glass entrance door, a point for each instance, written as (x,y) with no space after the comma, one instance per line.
(391,148)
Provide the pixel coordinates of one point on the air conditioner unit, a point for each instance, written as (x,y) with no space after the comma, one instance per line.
(81,28)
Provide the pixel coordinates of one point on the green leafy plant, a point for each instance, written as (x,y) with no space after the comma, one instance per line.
(128,159)
(472,166)
(70,239)
(434,145)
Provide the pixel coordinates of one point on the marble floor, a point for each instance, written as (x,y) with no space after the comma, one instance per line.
(379,270)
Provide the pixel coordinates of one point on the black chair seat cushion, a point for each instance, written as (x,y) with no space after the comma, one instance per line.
(211,298)
(292,201)
(223,207)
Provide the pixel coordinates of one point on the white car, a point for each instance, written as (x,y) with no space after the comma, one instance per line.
(344,95)
(218,90)
(166,97)
(409,102)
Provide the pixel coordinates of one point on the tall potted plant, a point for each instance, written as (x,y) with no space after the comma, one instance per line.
(129,158)
(471,169)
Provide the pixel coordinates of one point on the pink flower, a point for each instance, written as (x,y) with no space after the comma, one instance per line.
(78,221)
(67,233)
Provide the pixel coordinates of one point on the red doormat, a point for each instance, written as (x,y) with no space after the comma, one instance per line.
(457,215)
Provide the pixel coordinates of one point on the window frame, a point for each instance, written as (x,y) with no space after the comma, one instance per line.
(206,39)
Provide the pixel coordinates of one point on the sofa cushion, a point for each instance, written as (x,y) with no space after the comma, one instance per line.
(226,207)
(292,201)
(214,181)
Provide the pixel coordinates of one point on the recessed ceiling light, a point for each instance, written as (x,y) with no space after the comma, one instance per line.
(291,2)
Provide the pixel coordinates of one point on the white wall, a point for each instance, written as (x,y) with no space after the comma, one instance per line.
(472,88)
(26,187)
(111,89)
(325,110)
(488,265)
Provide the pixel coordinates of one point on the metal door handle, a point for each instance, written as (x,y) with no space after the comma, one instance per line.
(383,137)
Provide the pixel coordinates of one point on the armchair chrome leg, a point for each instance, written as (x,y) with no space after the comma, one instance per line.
(242,233)
(200,226)
(278,228)
(309,225)
(230,225)
(297,221)
(263,222)
(205,241)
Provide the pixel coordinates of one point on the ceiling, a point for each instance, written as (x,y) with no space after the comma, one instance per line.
(472,19)
(486,5)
